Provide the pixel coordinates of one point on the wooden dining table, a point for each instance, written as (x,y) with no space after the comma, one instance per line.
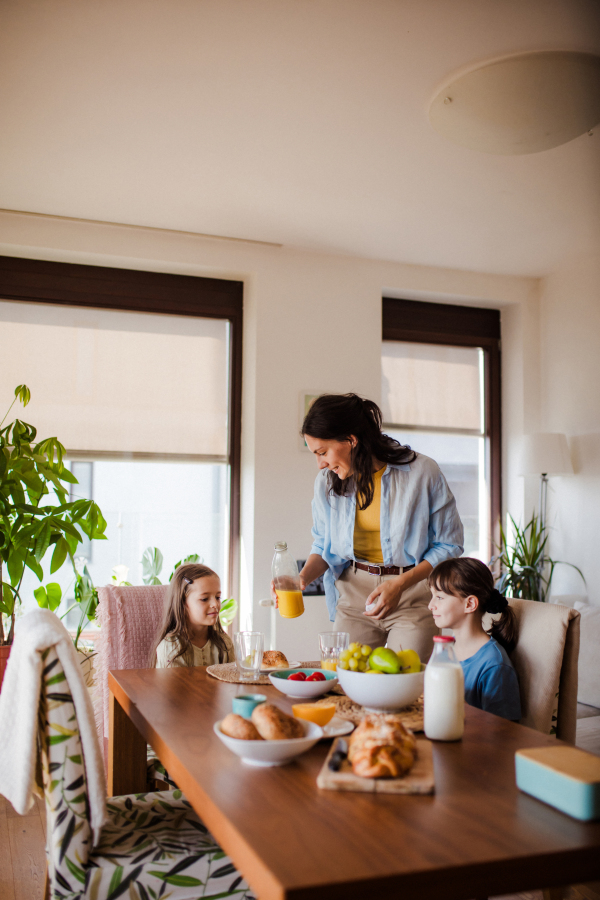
(476,836)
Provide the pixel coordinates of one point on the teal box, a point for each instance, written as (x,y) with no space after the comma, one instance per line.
(564,777)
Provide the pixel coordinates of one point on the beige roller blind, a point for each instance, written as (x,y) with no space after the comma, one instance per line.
(118,382)
(430,385)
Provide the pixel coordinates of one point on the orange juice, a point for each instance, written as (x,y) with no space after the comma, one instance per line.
(319,713)
(330,664)
(291,603)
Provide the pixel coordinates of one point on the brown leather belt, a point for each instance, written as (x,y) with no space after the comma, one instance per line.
(382,570)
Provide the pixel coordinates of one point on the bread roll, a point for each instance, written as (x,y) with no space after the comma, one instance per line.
(274,725)
(237,727)
(275,658)
(382,747)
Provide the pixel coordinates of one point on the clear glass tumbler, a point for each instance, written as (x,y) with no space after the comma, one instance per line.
(332,643)
(249,647)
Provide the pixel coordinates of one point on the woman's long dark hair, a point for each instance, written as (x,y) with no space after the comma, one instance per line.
(466,577)
(175,624)
(335,417)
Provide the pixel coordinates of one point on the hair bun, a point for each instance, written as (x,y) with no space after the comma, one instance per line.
(496,603)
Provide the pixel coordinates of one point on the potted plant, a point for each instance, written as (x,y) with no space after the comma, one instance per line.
(526,570)
(36,516)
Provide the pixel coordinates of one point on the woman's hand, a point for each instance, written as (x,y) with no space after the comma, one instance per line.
(290,587)
(386,598)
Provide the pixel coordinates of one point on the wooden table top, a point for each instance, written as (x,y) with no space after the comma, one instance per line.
(478,835)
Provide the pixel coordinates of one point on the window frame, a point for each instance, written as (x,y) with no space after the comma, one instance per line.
(422,322)
(132,290)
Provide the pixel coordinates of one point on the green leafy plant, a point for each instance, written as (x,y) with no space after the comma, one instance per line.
(152,563)
(526,570)
(36,515)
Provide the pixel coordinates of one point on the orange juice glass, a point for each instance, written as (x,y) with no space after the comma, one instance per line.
(331,644)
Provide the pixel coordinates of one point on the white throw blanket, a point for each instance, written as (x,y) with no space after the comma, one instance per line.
(19,700)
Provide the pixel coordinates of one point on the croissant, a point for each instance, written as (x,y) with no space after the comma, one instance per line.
(382,747)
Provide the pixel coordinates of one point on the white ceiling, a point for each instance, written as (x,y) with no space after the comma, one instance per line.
(302,122)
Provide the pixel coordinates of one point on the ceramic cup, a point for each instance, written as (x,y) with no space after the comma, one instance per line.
(243,704)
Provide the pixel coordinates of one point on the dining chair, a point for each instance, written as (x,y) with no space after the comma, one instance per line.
(129,618)
(545,659)
(153,844)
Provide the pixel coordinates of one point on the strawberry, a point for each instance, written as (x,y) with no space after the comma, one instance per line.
(316,676)
(297,676)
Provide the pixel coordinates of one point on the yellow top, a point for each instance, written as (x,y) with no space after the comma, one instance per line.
(367,526)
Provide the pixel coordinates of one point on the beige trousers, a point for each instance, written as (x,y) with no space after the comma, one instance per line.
(410,627)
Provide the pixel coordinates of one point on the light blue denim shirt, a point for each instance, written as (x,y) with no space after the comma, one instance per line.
(419,520)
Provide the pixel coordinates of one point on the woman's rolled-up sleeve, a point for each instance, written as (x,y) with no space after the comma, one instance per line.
(445,533)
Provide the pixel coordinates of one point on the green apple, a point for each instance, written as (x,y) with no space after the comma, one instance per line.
(409,661)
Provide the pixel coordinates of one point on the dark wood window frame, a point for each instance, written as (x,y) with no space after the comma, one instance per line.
(103,287)
(460,326)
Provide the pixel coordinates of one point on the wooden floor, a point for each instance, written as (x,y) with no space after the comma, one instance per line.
(23,838)
(22,853)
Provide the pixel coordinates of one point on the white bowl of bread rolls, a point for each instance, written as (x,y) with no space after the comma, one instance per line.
(270,738)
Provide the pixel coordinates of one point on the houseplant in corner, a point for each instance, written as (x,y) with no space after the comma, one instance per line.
(526,570)
(36,516)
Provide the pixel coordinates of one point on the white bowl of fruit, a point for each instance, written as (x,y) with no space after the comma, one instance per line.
(380,679)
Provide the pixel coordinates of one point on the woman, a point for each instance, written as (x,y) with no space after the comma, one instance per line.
(383,517)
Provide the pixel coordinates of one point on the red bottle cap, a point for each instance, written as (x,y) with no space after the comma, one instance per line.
(444,639)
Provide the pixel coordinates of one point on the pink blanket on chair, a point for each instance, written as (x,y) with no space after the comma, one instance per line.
(129,619)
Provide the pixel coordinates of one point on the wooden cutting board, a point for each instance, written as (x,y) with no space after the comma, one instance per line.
(419,780)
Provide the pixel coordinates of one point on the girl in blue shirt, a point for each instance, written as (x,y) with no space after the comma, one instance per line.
(462,592)
(375,567)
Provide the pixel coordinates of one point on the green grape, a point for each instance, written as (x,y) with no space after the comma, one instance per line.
(357,654)
(353,664)
(345,655)
(353,646)
(366,650)
(362,666)
(343,664)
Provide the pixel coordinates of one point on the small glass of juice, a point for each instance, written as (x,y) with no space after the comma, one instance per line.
(332,643)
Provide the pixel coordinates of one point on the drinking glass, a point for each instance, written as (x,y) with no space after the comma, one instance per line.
(249,646)
(332,643)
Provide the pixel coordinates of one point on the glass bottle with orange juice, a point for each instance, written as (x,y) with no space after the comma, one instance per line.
(286,582)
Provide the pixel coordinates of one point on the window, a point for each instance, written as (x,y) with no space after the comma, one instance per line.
(440,395)
(147,405)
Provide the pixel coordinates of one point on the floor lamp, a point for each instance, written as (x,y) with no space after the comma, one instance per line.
(543,455)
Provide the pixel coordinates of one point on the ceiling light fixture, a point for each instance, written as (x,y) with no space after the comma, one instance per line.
(520,104)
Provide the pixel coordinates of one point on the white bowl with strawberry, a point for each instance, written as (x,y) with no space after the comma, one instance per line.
(306,684)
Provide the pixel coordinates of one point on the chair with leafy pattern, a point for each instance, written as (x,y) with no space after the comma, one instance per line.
(154,846)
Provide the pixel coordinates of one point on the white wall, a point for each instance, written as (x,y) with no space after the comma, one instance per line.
(570,403)
(312,323)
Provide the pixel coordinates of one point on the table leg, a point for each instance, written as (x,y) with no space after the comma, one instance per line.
(126,753)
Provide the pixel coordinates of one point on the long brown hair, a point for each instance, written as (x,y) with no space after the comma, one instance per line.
(175,623)
(334,417)
(466,577)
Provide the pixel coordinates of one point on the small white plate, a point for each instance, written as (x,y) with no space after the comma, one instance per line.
(293,665)
(337,727)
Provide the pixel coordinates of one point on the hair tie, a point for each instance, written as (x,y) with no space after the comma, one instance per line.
(496,602)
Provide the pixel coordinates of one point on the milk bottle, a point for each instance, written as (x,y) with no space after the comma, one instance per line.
(444,712)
